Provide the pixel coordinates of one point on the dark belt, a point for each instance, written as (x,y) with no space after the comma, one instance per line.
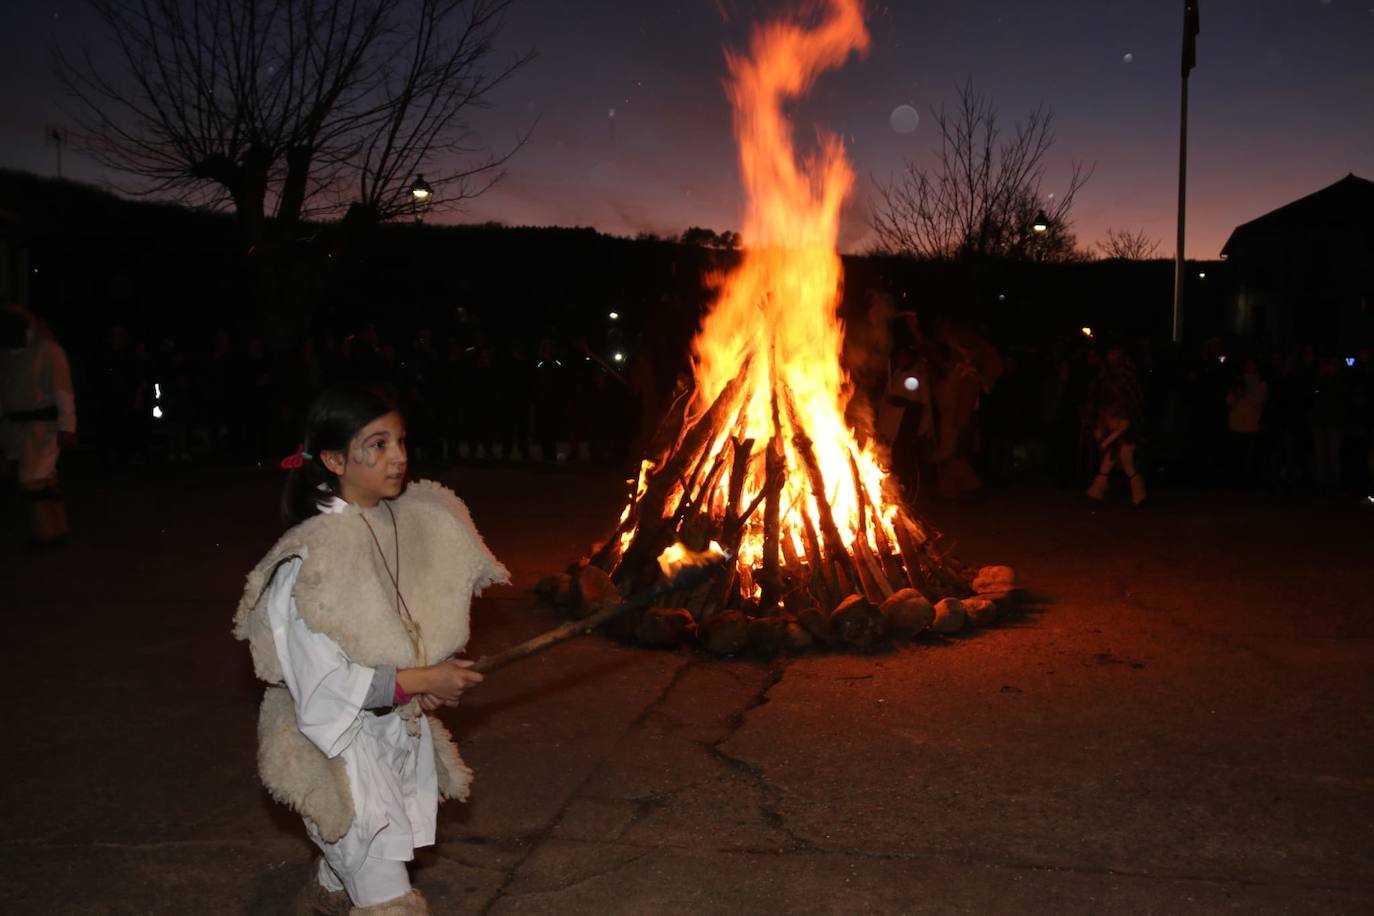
(46,494)
(37,415)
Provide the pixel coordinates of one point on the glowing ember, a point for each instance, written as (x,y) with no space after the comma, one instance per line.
(679,556)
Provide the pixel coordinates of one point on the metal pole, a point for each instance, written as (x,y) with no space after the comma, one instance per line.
(1182,199)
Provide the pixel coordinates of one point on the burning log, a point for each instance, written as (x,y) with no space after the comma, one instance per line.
(775,467)
(834,544)
(649,538)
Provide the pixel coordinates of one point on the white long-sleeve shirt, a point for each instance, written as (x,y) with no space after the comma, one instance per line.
(36,377)
(391,774)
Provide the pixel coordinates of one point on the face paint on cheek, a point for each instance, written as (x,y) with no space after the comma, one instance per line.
(365,456)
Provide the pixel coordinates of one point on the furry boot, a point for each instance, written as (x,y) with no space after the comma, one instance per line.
(1137,489)
(411,903)
(316,900)
(1098,490)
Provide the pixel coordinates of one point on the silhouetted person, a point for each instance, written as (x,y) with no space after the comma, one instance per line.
(1244,420)
(1116,409)
(1328,417)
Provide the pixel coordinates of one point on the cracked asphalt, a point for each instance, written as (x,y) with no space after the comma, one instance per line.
(1181,723)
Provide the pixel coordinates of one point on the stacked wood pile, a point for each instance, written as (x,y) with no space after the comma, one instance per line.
(857,593)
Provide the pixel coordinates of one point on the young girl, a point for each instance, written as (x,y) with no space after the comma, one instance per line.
(353,619)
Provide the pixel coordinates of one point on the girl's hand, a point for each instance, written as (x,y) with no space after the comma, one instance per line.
(428,703)
(443,682)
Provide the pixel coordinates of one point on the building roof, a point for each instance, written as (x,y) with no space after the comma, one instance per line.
(1339,213)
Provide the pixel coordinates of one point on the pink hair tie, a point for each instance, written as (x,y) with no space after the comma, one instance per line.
(296,459)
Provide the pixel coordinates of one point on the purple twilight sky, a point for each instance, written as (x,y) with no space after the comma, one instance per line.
(634,129)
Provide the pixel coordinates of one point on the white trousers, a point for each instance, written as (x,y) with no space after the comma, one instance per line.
(376,881)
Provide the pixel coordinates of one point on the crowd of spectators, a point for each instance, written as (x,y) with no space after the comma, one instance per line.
(1282,420)
(467,397)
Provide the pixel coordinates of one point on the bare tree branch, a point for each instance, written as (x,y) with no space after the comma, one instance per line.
(282,108)
(1128,245)
(983,195)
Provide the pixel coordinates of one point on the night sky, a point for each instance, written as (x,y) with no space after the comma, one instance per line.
(634,130)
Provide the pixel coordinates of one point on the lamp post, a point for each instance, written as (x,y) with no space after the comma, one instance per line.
(1041,224)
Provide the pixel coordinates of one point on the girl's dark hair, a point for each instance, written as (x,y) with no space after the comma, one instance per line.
(335,417)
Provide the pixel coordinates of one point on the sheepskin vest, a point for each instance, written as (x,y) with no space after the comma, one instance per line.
(343,590)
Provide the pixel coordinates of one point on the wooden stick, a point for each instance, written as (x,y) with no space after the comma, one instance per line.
(690,578)
(488,663)
(774,474)
(733,530)
(833,542)
(879,535)
(869,563)
(820,574)
(650,535)
(916,575)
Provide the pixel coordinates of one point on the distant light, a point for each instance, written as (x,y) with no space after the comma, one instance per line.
(1042,222)
(1128,57)
(1001,297)
(618,357)
(157,412)
(1202,275)
(911,383)
(420,190)
(1350,361)
(157,391)
(1221,358)
(1087,332)
(615,316)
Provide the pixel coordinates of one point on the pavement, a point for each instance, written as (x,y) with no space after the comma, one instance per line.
(1181,724)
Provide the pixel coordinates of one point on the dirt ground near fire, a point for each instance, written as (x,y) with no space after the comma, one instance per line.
(1182,725)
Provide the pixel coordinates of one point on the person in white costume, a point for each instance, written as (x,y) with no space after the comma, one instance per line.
(37,419)
(354,617)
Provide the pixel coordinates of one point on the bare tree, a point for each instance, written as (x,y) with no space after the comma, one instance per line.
(983,196)
(284,109)
(709,238)
(1128,245)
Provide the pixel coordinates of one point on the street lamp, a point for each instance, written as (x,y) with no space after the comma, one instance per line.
(420,190)
(1041,224)
(421,196)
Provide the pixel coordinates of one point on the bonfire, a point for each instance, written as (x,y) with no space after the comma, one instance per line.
(756,461)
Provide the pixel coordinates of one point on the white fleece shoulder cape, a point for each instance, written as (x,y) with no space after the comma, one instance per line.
(343,590)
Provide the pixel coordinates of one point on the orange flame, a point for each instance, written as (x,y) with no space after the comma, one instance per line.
(779,304)
(679,556)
